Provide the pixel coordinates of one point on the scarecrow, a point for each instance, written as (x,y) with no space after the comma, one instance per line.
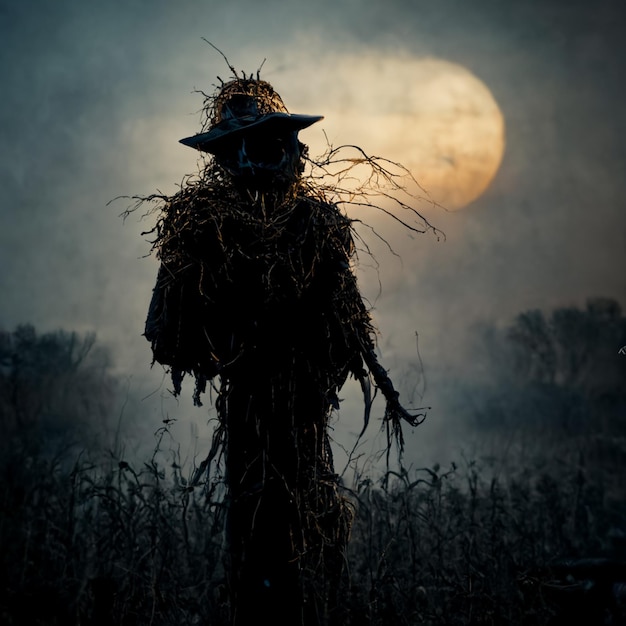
(256,296)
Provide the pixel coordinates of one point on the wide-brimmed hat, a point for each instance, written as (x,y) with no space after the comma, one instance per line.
(239,107)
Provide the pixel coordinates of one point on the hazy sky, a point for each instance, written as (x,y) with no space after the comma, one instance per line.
(96,95)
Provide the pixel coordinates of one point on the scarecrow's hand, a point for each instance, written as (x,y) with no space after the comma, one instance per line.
(394,411)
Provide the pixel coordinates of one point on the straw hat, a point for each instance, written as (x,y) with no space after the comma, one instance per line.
(242,106)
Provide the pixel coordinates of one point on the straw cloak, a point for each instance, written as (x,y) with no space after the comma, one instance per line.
(260,295)
(261,284)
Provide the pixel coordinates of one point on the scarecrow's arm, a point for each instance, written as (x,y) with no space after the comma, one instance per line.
(356,322)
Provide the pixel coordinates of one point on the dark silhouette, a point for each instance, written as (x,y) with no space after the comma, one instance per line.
(256,291)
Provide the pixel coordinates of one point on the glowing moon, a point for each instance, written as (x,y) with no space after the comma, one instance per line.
(457,132)
(433,116)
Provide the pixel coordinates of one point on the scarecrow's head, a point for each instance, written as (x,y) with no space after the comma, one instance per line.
(253,136)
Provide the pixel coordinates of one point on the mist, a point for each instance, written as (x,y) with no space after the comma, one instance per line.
(96,98)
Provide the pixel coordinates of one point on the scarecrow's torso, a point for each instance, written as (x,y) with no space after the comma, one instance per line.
(251,282)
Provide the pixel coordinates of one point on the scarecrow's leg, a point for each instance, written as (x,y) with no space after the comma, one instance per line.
(287,524)
(265,578)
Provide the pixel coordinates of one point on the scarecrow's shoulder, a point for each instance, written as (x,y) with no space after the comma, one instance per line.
(325,211)
(200,202)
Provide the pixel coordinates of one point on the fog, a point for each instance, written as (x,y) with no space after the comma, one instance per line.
(96,97)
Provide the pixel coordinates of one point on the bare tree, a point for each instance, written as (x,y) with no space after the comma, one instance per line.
(54,387)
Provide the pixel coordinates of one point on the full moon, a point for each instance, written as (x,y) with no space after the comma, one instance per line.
(434,117)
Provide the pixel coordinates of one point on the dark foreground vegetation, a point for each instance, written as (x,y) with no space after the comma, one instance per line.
(533,535)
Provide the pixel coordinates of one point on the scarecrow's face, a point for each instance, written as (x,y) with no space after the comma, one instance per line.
(260,159)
